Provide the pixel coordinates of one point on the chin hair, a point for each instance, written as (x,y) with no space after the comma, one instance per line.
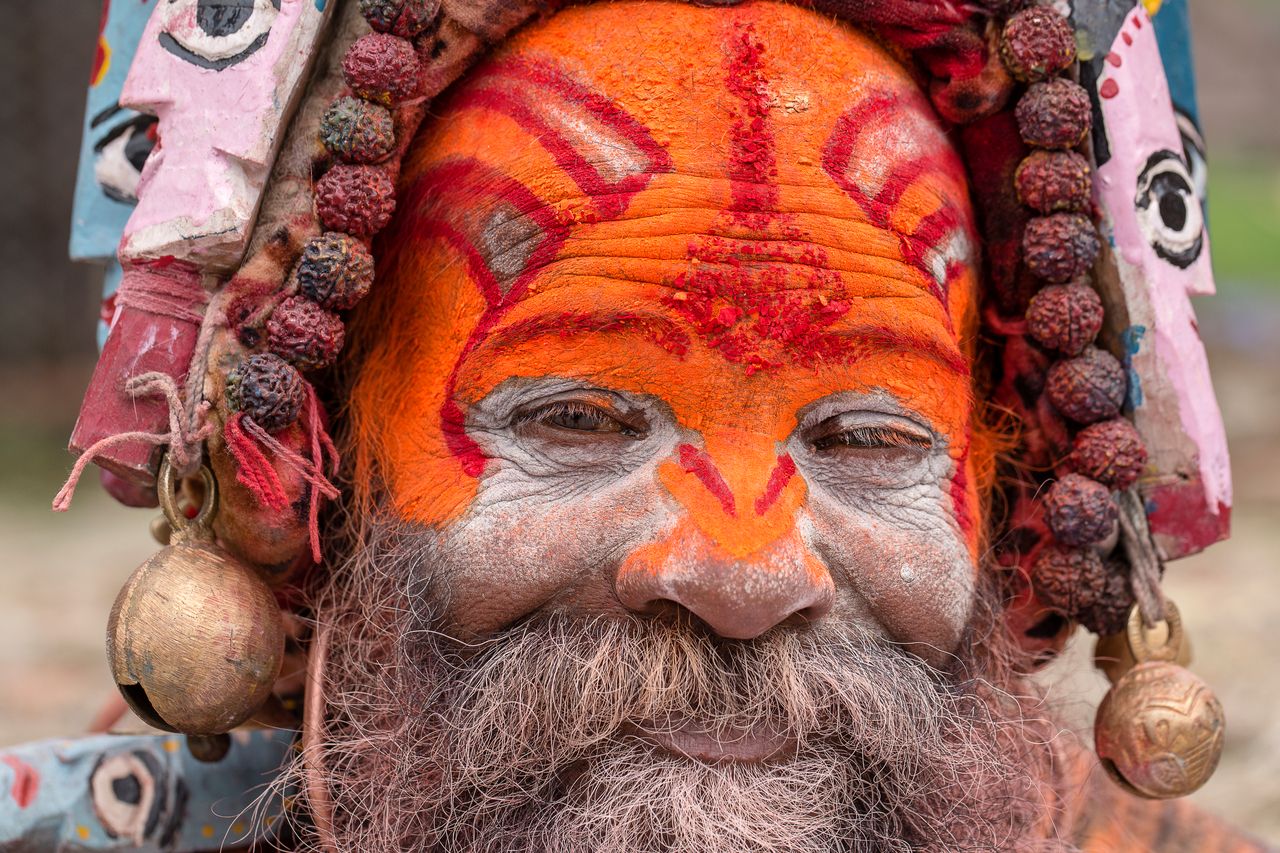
(519,742)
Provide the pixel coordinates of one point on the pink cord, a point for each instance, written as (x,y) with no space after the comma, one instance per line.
(184,443)
(182,298)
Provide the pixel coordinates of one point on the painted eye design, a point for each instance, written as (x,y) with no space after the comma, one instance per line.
(217,34)
(121,152)
(1168,209)
(129,795)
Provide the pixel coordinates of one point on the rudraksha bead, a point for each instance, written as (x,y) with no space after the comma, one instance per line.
(1054,181)
(1054,113)
(1110,613)
(356,199)
(1110,452)
(404,18)
(1038,43)
(334,271)
(1065,317)
(1088,388)
(1060,247)
(1068,579)
(1079,511)
(358,131)
(382,67)
(305,334)
(267,389)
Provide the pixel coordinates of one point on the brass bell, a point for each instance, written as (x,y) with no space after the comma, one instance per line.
(1159,730)
(195,639)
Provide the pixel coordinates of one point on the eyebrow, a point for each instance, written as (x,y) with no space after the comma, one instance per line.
(669,335)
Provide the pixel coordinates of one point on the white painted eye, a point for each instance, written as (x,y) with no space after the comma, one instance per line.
(1168,209)
(217,34)
(128,798)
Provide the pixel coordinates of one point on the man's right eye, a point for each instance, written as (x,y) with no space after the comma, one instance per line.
(582,418)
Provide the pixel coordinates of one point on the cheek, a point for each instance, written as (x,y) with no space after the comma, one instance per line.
(512,556)
(906,567)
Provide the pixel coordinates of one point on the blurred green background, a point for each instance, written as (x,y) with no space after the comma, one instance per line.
(59,574)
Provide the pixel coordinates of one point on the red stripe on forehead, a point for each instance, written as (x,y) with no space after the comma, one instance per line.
(753,167)
(608,153)
(878,150)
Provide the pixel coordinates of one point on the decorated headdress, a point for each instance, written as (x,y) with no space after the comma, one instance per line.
(255,228)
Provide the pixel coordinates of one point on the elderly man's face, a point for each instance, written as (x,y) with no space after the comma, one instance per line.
(667,396)
(683,325)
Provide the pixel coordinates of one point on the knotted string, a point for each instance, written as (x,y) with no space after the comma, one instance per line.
(245,439)
(184,438)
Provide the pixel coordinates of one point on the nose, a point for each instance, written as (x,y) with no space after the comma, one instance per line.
(738,597)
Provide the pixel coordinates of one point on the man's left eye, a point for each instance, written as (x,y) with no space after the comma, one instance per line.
(871,438)
(217,34)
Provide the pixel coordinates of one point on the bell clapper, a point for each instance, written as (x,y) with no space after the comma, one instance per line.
(1159,730)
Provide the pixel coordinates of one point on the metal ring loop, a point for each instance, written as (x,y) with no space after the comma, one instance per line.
(1136,633)
(165,491)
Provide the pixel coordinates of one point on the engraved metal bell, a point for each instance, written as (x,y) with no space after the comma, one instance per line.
(1159,730)
(195,639)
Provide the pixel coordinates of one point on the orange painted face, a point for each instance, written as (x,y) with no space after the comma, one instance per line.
(678,313)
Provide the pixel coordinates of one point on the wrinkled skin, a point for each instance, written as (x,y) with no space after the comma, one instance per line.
(668,473)
(692,375)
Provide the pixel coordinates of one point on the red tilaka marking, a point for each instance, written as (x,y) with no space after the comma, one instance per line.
(753,166)
(933,231)
(767,302)
(699,464)
(778,479)
(26,780)
(561,114)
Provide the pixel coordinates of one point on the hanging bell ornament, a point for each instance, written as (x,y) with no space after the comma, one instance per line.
(195,639)
(1159,730)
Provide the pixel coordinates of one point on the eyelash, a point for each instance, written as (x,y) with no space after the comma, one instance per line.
(872,437)
(575,408)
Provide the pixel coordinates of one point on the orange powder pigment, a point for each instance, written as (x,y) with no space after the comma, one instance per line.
(739,210)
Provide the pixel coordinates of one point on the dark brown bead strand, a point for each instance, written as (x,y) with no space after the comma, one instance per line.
(305,334)
(1088,388)
(1110,613)
(1110,452)
(1079,511)
(1037,43)
(267,389)
(358,131)
(356,199)
(1068,579)
(1055,113)
(1054,182)
(404,18)
(335,271)
(1060,247)
(1065,317)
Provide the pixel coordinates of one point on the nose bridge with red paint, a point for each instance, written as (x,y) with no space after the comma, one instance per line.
(739,489)
(734,557)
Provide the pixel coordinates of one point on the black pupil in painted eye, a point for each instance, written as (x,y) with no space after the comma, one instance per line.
(1173,210)
(220,18)
(127,789)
